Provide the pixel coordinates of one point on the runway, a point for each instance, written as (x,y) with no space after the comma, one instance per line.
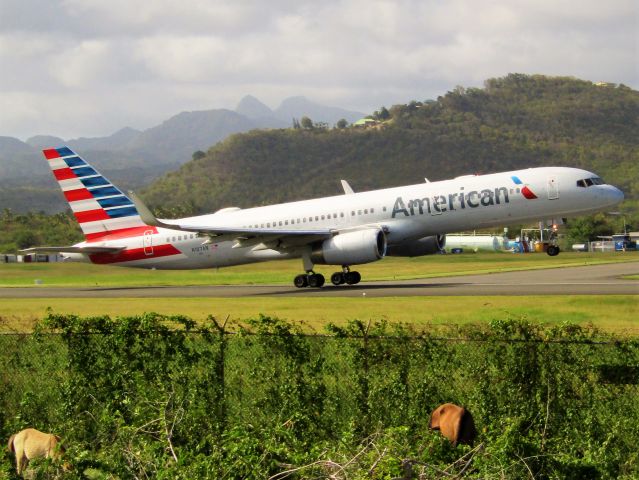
(586,280)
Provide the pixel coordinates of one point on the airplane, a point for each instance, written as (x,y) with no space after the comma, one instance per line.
(344,230)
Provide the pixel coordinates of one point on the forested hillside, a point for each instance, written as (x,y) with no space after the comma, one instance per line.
(513,122)
(133,158)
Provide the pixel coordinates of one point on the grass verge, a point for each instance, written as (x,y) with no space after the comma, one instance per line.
(616,313)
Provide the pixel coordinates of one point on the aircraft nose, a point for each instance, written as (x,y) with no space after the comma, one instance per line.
(613,195)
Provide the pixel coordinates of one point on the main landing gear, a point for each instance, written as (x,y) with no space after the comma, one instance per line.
(309,279)
(316,280)
(345,276)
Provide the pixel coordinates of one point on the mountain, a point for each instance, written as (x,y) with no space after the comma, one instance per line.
(130,157)
(178,137)
(44,141)
(10,146)
(298,107)
(117,141)
(252,108)
(294,108)
(518,121)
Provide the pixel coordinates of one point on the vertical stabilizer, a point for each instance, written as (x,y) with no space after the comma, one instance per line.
(102,211)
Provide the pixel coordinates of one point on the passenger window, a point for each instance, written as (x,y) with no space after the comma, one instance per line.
(323,217)
(372,210)
(366,211)
(384,209)
(359,212)
(280,223)
(353,213)
(341,214)
(316,218)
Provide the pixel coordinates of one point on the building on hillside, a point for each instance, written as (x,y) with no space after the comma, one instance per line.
(365,123)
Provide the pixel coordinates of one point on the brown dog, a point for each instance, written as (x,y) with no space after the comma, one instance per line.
(31,443)
(454,422)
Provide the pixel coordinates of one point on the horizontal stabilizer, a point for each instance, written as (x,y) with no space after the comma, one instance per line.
(86,250)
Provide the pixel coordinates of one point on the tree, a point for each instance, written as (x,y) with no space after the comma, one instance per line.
(306,123)
(383,114)
(584,229)
(198,154)
(342,123)
(26,239)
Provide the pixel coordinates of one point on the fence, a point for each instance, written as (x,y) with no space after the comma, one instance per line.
(139,398)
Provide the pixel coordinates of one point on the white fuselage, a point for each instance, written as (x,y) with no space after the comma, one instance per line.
(405,213)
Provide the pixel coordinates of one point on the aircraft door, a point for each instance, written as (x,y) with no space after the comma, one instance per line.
(148,242)
(553,188)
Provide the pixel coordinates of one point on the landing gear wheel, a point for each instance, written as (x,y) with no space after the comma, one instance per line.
(301,281)
(352,278)
(552,250)
(316,280)
(338,278)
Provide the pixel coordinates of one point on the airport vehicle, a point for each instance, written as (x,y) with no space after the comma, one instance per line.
(343,230)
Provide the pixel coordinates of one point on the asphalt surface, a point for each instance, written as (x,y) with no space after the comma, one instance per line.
(586,280)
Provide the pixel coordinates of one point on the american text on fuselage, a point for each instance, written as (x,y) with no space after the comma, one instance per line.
(438,204)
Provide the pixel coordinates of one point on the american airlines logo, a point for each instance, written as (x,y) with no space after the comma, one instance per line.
(525,191)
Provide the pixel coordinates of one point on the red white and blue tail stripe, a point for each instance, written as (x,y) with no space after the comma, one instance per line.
(102,211)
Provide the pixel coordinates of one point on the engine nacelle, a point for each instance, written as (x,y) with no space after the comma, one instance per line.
(351,248)
(417,248)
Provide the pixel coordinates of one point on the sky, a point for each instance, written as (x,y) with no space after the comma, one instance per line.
(75,68)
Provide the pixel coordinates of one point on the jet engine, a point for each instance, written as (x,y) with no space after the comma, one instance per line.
(351,248)
(417,248)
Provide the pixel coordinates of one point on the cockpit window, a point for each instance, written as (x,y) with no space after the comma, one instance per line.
(588,182)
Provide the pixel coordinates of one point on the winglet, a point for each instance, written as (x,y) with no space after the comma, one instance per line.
(144,212)
(347,188)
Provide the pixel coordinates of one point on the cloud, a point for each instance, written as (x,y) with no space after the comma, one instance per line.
(124,63)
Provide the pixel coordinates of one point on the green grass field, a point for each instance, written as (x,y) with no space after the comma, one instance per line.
(616,313)
(613,312)
(282,272)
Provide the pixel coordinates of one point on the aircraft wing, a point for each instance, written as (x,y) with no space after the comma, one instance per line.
(87,250)
(270,237)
